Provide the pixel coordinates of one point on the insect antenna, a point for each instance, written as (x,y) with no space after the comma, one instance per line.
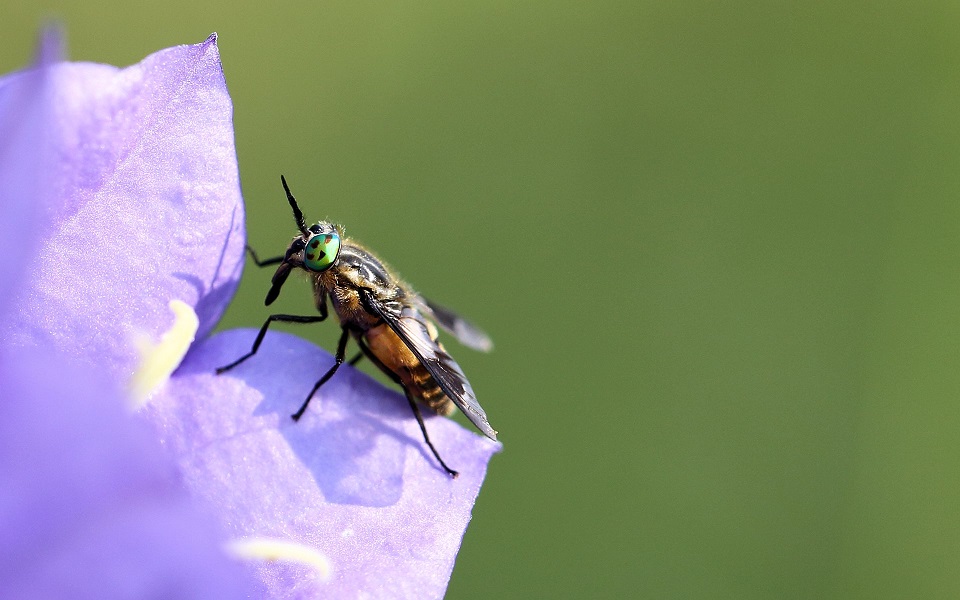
(296,209)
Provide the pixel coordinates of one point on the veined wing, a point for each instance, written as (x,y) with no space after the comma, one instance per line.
(466,332)
(407,322)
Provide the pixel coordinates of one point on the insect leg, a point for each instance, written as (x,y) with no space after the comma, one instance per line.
(413,405)
(356,358)
(341,351)
(426,438)
(276,260)
(263,332)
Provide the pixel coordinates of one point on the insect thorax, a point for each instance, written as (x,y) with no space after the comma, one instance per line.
(357,271)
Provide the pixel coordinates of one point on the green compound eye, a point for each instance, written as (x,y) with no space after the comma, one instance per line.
(322,249)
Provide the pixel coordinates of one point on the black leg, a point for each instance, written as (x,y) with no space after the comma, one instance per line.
(413,405)
(263,332)
(341,351)
(426,438)
(356,358)
(276,260)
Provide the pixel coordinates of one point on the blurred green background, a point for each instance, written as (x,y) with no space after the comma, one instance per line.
(716,244)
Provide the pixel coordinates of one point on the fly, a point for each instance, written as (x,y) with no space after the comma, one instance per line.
(392,324)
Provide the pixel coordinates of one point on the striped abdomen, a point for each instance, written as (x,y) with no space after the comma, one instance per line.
(395,357)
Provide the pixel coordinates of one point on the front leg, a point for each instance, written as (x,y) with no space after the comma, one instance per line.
(276,260)
(263,332)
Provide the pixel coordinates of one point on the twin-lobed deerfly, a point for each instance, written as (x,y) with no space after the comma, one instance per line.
(392,324)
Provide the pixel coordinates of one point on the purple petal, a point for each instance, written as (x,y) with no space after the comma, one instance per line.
(353,479)
(25,159)
(90,507)
(149,209)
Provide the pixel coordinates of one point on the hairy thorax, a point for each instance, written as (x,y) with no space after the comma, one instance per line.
(343,287)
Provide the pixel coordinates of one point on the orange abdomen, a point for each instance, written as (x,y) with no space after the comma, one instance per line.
(387,346)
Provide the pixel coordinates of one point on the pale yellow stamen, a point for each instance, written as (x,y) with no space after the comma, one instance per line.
(272,549)
(159,360)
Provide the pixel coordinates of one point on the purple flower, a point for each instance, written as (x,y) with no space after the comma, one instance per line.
(90,505)
(120,191)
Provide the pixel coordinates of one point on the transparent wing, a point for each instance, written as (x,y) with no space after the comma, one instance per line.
(407,322)
(466,332)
